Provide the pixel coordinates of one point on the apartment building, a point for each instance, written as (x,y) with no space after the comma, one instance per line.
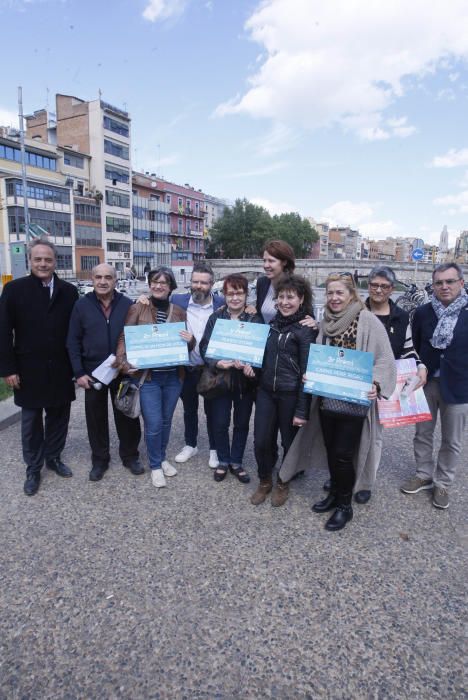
(100,131)
(151,223)
(49,199)
(461,248)
(214,209)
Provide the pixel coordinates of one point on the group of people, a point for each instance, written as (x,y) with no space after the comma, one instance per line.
(50,339)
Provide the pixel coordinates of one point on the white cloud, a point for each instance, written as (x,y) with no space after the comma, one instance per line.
(273,207)
(452,159)
(454,203)
(256,172)
(360,215)
(345,62)
(8,118)
(279,138)
(161,10)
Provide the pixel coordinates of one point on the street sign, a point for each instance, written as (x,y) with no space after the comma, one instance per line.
(418,254)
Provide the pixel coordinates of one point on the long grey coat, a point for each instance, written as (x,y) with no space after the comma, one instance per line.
(308,449)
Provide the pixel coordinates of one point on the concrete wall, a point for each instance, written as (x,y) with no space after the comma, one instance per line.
(316,271)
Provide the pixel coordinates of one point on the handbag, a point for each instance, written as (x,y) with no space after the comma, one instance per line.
(127,399)
(214,382)
(343,408)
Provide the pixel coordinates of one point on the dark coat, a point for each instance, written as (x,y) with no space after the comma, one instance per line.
(396,327)
(32,340)
(452,362)
(91,336)
(182,300)
(238,377)
(263,285)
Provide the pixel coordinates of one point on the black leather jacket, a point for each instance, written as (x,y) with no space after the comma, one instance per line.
(285,361)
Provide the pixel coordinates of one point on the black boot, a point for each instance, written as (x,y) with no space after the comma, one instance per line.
(328,503)
(342,515)
(33,479)
(57,466)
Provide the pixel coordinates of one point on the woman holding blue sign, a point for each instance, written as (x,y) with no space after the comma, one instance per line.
(239,396)
(281,403)
(344,440)
(162,386)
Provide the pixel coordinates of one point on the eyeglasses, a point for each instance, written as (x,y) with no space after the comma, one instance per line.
(376,286)
(232,295)
(440,283)
(153,283)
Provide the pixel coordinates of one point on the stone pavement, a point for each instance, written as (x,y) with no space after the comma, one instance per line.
(117,590)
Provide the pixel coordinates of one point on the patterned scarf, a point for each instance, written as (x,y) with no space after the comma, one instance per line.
(335,324)
(280,322)
(447,319)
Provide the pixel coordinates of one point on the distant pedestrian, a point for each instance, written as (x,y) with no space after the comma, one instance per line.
(96,323)
(147,270)
(356,278)
(34,316)
(440,336)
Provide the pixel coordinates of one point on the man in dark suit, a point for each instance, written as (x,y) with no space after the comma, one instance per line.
(199,304)
(440,337)
(34,316)
(96,323)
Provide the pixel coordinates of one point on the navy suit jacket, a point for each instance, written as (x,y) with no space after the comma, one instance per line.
(182,300)
(452,361)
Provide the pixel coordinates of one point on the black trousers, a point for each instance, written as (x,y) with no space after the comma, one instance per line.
(273,411)
(97,423)
(43,438)
(341,436)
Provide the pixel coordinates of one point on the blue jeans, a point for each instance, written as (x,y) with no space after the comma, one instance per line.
(221,420)
(158,399)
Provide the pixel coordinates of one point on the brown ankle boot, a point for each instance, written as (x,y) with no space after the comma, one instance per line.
(263,489)
(280,493)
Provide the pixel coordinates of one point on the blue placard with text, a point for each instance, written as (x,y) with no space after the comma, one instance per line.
(158,345)
(339,373)
(238,340)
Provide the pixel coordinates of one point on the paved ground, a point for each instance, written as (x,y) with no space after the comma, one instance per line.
(116,590)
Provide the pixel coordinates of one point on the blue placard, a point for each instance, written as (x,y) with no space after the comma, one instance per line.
(238,340)
(418,254)
(158,345)
(339,373)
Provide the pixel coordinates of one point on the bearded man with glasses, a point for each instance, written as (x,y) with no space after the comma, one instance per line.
(440,335)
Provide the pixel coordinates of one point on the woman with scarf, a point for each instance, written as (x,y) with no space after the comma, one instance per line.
(345,444)
(161,389)
(281,403)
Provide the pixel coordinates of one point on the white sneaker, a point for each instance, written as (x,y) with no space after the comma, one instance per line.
(157,477)
(168,469)
(186,453)
(213,461)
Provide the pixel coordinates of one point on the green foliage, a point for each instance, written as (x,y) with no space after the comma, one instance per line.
(243,231)
(5,390)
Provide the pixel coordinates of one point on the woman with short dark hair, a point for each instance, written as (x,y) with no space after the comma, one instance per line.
(278,261)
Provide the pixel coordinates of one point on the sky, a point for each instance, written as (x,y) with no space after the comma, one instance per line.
(354,112)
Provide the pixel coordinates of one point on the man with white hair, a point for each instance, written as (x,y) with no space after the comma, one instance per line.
(95,326)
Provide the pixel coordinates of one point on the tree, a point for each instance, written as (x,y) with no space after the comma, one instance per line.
(243,230)
(240,232)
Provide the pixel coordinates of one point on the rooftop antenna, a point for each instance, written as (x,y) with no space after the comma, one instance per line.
(47,99)
(159,159)
(100,93)
(23,166)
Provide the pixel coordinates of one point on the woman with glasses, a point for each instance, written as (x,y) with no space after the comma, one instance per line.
(162,387)
(238,401)
(345,443)
(281,404)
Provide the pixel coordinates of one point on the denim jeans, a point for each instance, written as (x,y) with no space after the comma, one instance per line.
(190,400)
(221,420)
(158,399)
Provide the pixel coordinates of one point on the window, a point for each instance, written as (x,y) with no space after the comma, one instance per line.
(117,199)
(118,247)
(116,225)
(168,198)
(189,205)
(34,159)
(187,226)
(14,188)
(112,172)
(88,235)
(88,212)
(116,149)
(180,226)
(57,224)
(89,261)
(116,126)
(64,260)
(73,160)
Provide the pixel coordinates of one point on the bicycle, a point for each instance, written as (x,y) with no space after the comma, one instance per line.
(412,298)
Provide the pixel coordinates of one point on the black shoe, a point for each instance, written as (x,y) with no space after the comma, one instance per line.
(220,472)
(362,496)
(341,516)
(59,467)
(97,472)
(326,504)
(327,485)
(31,485)
(135,466)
